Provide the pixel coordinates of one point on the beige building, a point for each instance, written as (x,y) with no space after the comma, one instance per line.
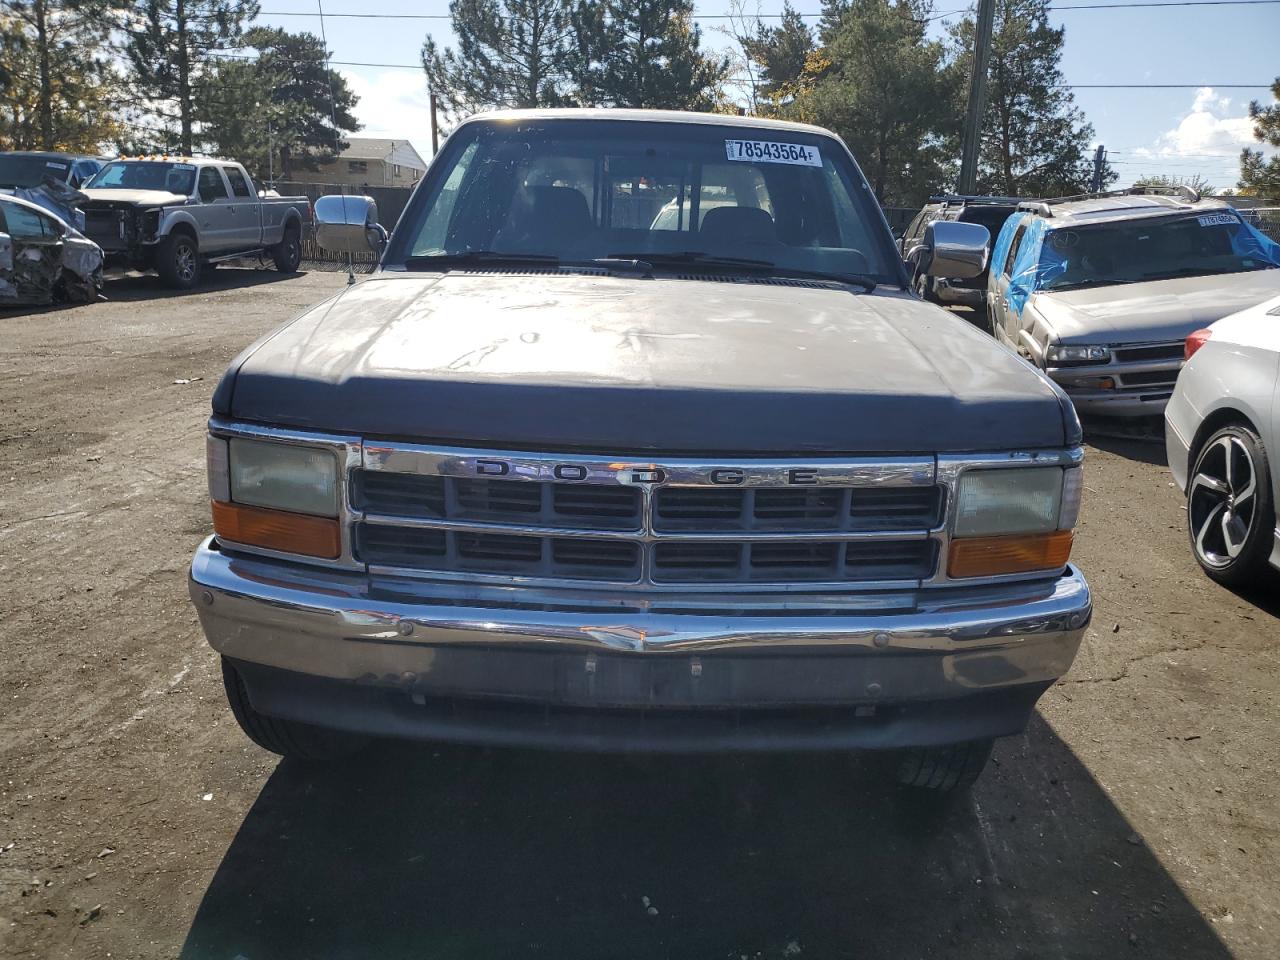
(370,161)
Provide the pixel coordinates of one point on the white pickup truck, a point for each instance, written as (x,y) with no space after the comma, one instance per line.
(175,215)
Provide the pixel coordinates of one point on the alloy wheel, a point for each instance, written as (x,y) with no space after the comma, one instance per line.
(184,262)
(1222,501)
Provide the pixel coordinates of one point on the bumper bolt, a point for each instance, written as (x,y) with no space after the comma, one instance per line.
(880,639)
(405,628)
(206,598)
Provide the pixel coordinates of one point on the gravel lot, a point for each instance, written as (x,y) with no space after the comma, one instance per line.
(1137,817)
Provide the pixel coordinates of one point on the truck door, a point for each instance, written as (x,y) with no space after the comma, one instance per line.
(217,215)
(248,222)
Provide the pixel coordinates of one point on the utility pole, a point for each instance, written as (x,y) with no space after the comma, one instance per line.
(977,97)
(1099,159)
(435,127)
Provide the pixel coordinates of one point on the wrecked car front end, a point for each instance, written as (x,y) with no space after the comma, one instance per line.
(43,259)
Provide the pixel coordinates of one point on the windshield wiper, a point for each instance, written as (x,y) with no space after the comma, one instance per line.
(699,259)
(469,257)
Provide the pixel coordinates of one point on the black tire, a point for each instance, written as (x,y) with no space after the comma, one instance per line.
(287,254)
(944,769)
(288,738)
(1230,512)
(178,261)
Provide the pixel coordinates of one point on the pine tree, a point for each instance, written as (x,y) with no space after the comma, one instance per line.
(170,44)
(57,90)
(284,111)
(1035,141)
(1259,176)
(511,53)
(644,53)
(781,52)
(880,83)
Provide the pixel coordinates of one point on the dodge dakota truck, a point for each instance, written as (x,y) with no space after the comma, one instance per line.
(176,215)
(568,473)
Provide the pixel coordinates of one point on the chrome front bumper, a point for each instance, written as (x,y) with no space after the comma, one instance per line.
(327,647)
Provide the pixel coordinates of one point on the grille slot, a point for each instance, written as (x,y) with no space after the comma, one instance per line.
(496,500)
(890,560)
(1159,351)
(886,508)
(819,504)
(1149,378)
(681,506)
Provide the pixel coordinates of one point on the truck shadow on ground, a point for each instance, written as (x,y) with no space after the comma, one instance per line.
(130,288)
(442,853)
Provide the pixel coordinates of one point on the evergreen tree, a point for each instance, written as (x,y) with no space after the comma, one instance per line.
(880,83)
(511,53)
(282,112)
(644,53)
(781,52)
(1260,177)
(1035,141)
(170,44)
(57,90)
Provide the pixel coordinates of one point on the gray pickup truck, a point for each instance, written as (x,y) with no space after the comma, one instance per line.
(175,215)
(566,473)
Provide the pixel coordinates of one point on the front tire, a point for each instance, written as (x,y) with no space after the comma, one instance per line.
(944,769)
(178,261)
(287,254)
(1230,513)
(288,738)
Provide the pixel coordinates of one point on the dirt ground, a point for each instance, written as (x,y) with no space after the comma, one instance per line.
(1137,817)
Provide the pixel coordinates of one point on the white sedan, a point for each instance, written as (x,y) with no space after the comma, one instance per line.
(1221,422)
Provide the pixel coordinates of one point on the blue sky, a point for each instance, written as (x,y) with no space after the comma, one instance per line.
(1195,129)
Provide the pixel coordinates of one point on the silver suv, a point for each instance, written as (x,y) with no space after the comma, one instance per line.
(1100,291)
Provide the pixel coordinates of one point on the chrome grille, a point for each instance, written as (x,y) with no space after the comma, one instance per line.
(676,524)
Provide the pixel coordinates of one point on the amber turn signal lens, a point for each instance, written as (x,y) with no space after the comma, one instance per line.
(993,556)
(277,530)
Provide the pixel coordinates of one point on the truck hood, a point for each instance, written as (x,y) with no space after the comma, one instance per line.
(143,198)
(561,362)
(1152,311)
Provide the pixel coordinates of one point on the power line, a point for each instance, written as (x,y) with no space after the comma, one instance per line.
(1076,86)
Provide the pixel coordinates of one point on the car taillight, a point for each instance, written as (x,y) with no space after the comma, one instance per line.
(1195,341)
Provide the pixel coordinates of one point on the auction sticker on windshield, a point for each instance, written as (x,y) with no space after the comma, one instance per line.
(762,151)
(1217,220)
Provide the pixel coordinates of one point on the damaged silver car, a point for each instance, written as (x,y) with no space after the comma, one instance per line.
(43,259)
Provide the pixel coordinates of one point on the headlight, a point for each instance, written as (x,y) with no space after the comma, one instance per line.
(1086,353)
(277,496)
(284,476)
(1013,520)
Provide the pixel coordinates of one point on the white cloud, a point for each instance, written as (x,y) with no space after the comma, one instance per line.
(1211,129)
(393,104)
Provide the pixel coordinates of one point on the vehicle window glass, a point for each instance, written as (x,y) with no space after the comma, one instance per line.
(1013,249)
(238,185)
(431,239)
(179,178)
(211,185)
(18,170)
(26,224)
(578,189)
(1213,242)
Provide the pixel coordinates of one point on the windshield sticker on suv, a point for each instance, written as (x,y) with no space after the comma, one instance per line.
(184,166)
(55,165)
(752,151)
(1217,220)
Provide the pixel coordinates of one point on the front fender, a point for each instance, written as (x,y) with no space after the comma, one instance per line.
(174,216)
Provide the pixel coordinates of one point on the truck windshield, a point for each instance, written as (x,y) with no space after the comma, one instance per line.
(145,175)
(19,170)
(581,190)
(1213,242)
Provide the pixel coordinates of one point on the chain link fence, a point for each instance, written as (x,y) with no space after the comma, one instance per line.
(1266,219)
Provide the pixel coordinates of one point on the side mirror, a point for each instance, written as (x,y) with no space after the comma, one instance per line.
(349,225)
(953,250)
